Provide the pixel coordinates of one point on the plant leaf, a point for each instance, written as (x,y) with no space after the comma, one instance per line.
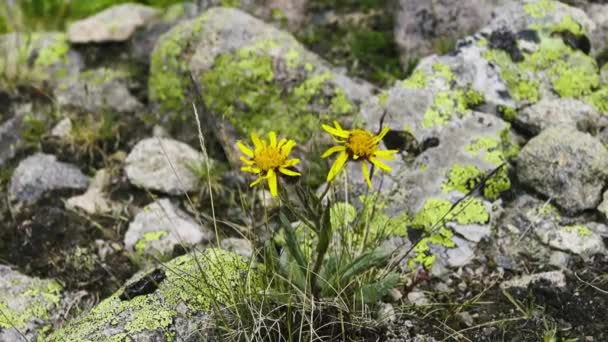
(293,247)
(374,292)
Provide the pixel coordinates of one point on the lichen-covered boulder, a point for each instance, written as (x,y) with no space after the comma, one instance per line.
(115,24)
(531,50)
(178,308)
(566,165)
(27,306)
(164,165)
(598,12)
(159,228)
(581,239)
(42,173)
(422,27)
(99,89)
(36,59)
(555,112)
(252,76)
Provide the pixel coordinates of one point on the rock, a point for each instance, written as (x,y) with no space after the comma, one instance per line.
(461,255)
(42,173)
(241,247)
(599,14)
(578,239)
(27,306)
(418,298)
(604,74)
(254,78)
(556,112)
(603,207)
(115,24)
(10,139)
(94,201)
(98,90)
(386,313)
(62,129)
(38,59)
(566,165)
(160,227)
(555,278)
(163,165)
(178,307)
(424,27)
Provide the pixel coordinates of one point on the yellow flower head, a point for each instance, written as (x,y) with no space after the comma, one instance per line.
(359,145)
(267,159)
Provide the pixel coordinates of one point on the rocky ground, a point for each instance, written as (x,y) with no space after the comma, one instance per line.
(107,187)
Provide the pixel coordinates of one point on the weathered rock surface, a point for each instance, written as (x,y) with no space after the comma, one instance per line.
(253,76)
(566,165)
(98,89)
(579,239)
(27,305)
(160,227)
(556,278)
(10,139)
(557,112)
(115,24)
(41,173)
(423,27)
(163,165)
(179,308)
(94,200)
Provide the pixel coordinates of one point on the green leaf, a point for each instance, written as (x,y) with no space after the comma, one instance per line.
(374,292)
(364,263)
(293,247)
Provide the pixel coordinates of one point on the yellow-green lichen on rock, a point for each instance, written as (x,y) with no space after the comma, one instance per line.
(27,303)
(251,75)
(194,284)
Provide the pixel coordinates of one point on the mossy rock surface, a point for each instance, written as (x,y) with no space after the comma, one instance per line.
(177,309)
(252,76)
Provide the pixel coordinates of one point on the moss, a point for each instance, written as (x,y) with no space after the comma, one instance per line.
(194,283)
(580,229)
(55,52)
(539,8)
(599,100)
(446,104)
(40,297)
(242,88)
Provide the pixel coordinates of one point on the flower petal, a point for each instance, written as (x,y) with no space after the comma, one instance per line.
(256,182)
(386,154)
(380,164)
(246,161)
(272,182)
(338,165)
(273,138)
(365,170)
(289,172)
(251,169)
(333,150)
(336,131)
(257,143)
(282,142)
(289,145)
(245,149)
(381,135)
(291,162)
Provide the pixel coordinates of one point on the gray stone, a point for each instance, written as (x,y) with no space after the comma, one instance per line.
(160,227)
(26,305)
(115,24)
(578,239)
(10,139)
(180,307)
(461,255)
(163,165)
(97,90)
(599,37)
(94,200)
(418,298)
(423,27)
(556,112)
(41,173)
(567,165)
(603,207)
(62,129)
(555,278)
(241,247)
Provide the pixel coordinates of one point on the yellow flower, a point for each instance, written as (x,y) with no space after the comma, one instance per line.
(358,145)
(267,160)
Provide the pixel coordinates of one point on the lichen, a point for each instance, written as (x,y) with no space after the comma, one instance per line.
(462,178)
(508,113)
(40,297)
(599,100)
(417,80)
(194,283)
(495,150)
(446,105)
(242,87)
(497,184)
(539,8)
(580,230)
(142,244)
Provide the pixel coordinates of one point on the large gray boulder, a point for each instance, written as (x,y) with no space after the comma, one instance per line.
(42,173)
(566,165)
(164,165)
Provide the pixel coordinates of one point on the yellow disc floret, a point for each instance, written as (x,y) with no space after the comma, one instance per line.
(357,144)
(268,159)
